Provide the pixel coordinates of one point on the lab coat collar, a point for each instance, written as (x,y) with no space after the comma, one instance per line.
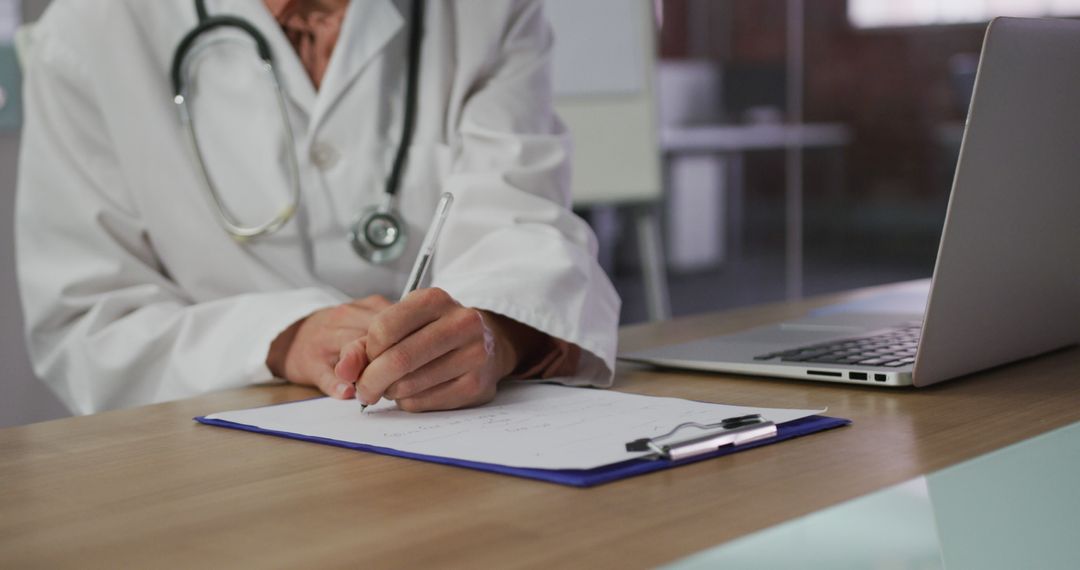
(366,29)
(294,79)
(368,26)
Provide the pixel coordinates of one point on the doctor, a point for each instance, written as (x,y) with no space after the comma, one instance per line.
(136,290)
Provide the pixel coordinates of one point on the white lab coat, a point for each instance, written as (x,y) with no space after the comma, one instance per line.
(132,291)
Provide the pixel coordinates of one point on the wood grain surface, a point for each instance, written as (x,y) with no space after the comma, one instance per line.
(148,487)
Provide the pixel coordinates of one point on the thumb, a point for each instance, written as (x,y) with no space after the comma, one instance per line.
(351,361)
(331,385)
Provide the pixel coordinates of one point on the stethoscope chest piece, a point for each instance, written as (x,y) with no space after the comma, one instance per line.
(379,234)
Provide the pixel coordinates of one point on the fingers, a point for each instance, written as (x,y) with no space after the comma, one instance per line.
(461,328)
(445,368)
(327,381)
(399,321)
(315,347)
(469,390)
(426,352)
(373,302)
(337,339)
(348,319)
(351,361)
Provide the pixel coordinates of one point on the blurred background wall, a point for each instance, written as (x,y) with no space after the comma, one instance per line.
(22,398)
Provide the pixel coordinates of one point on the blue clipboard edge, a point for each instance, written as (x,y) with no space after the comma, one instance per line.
(571,477)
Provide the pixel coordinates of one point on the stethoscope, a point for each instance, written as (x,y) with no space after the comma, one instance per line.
(378,234)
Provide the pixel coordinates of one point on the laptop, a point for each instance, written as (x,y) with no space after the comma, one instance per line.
(1006,283)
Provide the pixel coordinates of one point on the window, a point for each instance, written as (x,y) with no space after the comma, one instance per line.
(889,13)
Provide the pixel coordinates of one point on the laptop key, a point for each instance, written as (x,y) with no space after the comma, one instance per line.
(882,349)
(805,356)
(830,359)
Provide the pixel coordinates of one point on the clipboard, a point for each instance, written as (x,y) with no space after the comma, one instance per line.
(740,438)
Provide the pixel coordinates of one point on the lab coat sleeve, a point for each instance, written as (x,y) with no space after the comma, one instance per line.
(106,327)
(516,248)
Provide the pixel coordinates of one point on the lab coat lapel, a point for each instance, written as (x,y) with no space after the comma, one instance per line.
(368,26)
(294,78)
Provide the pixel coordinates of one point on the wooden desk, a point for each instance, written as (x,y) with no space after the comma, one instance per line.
(148,487)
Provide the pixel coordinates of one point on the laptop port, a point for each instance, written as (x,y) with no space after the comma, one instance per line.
(824,373)
(879,377)
(857,375)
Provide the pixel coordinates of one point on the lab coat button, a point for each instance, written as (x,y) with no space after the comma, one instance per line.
(324,156)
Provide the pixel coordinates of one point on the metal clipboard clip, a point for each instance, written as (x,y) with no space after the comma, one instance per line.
(732,431)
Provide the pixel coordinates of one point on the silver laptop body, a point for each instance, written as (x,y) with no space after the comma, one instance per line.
(1006,284)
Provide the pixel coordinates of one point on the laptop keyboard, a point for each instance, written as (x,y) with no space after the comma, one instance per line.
(892,348)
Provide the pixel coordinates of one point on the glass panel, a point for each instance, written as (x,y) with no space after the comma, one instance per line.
(1014,508)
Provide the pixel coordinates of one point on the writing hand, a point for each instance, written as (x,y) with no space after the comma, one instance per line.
(428,352)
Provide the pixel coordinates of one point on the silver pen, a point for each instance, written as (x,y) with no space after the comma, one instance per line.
(427,250)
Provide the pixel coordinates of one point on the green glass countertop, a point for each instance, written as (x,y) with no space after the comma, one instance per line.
(1018,507)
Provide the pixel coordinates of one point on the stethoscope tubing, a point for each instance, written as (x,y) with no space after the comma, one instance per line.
(229,222)
(416,35)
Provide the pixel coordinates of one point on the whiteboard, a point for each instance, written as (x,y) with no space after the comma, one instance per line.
(9,19)
(608,103)
(598,47)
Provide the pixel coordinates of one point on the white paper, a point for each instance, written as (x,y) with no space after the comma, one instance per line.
(527,425)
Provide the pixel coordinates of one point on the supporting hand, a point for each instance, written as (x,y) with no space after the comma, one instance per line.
(307,351)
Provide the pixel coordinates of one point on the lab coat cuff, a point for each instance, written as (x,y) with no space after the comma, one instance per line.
(597,365)
(280,312)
